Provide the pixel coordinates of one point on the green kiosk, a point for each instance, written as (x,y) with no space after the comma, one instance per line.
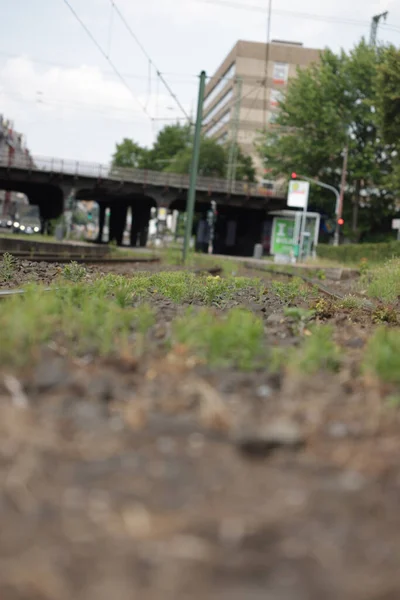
(292,240)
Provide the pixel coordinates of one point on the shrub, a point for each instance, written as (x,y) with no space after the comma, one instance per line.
(355,253)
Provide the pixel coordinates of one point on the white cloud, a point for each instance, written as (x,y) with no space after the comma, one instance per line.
(82,99)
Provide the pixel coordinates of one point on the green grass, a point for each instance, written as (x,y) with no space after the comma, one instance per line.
(104,315)
(353,254)
(383,282)
(82,317)
(382,355)
(178,286)
(173,256)
(295,289)
(319,352)
(351,302)
(234,339)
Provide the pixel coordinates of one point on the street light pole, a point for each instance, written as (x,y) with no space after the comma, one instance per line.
(340,205)
(327,187)
(194,166)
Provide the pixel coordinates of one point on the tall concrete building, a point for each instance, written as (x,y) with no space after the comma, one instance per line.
(243,95)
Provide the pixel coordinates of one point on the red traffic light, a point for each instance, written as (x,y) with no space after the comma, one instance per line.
(294,175)
(340,221)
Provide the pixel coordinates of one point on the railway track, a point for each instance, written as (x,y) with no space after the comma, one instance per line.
(63,258)
(367,304)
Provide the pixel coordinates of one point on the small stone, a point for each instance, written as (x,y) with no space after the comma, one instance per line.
(166,445)
(88,415)
(264,391)
(352,481)
(101,388)
(275,318)
(50,373)
(338,430)
(355,343)
(281,434)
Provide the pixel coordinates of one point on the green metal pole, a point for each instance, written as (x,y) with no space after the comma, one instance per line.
(194,167)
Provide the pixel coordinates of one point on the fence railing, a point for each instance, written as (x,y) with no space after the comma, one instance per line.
(141,176)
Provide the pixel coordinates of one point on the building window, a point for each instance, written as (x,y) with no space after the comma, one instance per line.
(281,72)
(223,138)
(276,97)
(229,74)
(224,100)
(222,121)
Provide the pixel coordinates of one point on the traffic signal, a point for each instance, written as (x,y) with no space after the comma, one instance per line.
(90,216)
(294,175)
(340,221)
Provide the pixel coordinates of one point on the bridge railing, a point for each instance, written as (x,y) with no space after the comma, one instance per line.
(141,176)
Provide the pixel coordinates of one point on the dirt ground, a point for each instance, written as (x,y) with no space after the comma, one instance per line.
(160,478)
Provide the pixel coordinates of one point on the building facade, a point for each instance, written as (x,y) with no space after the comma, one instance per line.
(243,95)
(12,147)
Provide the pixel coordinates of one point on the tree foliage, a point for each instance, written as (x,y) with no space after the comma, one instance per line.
(172,152)
(389,108)
(329,105)
(128,154)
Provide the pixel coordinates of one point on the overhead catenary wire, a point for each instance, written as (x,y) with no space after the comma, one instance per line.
(108,59)
(103,109)
(110,31)
(286,13)
(159,74)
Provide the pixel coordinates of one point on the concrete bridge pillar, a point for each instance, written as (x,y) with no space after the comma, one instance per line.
(102,218)
(49,199)
(140,225)
(117,222)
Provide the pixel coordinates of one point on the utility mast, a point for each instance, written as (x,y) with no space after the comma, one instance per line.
(233,150)
(374,27)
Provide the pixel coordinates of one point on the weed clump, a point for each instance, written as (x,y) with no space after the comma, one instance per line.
(234,339)
(385,314)
(290,291)
(7,267)
(383,282)
(74,272)
(382,355)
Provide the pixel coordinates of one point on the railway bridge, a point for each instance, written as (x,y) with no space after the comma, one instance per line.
(47,182)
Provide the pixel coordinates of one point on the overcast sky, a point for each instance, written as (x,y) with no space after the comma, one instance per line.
(63,95)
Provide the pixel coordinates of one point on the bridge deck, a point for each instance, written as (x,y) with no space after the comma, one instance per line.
(103,172)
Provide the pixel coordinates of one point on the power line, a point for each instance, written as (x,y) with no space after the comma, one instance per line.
(151,62)
(100,108)
(114,68)
(281,12)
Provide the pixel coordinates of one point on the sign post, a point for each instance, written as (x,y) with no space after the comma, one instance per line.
(396,225)
(298,197)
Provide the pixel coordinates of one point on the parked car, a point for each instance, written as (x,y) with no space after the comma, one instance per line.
(6,222)
(27,220)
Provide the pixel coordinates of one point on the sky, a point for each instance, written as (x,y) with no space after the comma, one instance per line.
(62,93)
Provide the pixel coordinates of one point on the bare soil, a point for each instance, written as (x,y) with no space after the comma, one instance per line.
(129,478)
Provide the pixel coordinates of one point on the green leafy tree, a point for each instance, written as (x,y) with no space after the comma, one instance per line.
(331,104)
(388,92)
(171,141)
(128,154)
(172,152)
(212,159)
(245,168)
